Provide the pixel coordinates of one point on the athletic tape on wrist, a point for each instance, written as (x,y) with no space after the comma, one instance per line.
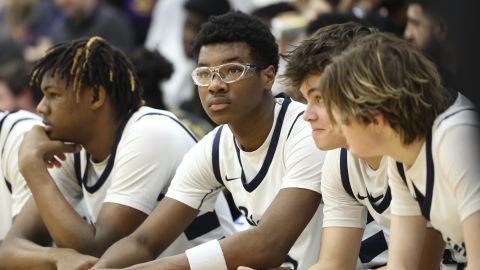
(206,256)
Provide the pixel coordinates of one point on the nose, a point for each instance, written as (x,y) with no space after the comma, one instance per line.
(309,114)
(216,84)
(407,34)
(42,107)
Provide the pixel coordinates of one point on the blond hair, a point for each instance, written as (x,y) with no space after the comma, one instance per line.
(381,73)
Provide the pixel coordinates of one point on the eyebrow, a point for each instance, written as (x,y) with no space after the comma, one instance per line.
(228,60)
(413,20)
(311,90)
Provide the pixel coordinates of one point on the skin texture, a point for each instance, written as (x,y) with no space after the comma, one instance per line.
(422,31)
(263,246)
(48,215)
(340,246)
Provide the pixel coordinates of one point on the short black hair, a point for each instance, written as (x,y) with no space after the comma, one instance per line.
(316,52)
(93,62)
(236,26)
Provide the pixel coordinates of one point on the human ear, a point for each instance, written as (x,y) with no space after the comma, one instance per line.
(378,122)
(268,77)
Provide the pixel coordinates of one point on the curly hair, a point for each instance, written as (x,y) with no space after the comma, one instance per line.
(381,73)
(236,26)
(316,52)
(152,69)
(93,62)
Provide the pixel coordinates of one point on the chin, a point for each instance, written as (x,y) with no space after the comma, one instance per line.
(323,144)
(360,154)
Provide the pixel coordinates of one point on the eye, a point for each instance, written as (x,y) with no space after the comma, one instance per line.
(52,95)
(318,99)
(234,70)
(203,74)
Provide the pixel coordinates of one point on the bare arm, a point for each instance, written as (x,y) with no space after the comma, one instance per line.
(64,224)
(433,249)
(407,234)
(339,248)
(27,246)
(266,245)
(23,247)
(169,219)
(471,231)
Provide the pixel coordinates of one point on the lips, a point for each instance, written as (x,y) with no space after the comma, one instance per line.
(47,126)
(218,103)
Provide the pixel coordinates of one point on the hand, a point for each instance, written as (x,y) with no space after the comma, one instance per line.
(37,149)
(70,259)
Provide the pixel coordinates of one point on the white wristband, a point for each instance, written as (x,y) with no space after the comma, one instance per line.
(206,256)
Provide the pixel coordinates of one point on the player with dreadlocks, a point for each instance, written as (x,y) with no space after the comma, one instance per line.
(103,147)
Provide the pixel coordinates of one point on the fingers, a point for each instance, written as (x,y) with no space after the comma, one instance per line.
(59,154)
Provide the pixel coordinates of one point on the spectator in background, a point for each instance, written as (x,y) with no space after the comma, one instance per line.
(428,31)
(165,35)
(268,12)
(15,92)
(387,15)
(86,18)
(139,13)
(27,21)
(331,18)
(288,27)
(152,68)
(197,12)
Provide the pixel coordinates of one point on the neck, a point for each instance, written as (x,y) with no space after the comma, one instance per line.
(252,131)
(103,136)
(406,154)
(373,162)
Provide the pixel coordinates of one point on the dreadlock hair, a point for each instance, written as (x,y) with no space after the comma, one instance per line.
(93,62)
(236,26)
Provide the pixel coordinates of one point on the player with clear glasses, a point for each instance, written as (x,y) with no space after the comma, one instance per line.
(262,152)
(228,73)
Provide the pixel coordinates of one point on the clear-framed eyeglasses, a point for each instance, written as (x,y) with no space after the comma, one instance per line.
(228,73)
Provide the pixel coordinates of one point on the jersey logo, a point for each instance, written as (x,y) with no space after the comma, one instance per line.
(370,197)
(231,179)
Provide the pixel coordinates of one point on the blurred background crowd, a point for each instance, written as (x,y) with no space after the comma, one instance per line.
(158,35)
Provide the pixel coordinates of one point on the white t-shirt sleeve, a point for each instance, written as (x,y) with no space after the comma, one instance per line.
(340,209)
(459,160)
(403,203)
(303,160)
(145,162)
(194,183)
(20,191)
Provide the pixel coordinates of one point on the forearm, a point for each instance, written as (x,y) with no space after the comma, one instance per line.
(255,248)
(407,235)
(23,254)
(127,251)
(64,224)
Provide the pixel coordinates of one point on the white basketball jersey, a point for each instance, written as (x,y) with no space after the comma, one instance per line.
(357,196)
(287,159)
(443,183)
(14,191)
(147,150)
